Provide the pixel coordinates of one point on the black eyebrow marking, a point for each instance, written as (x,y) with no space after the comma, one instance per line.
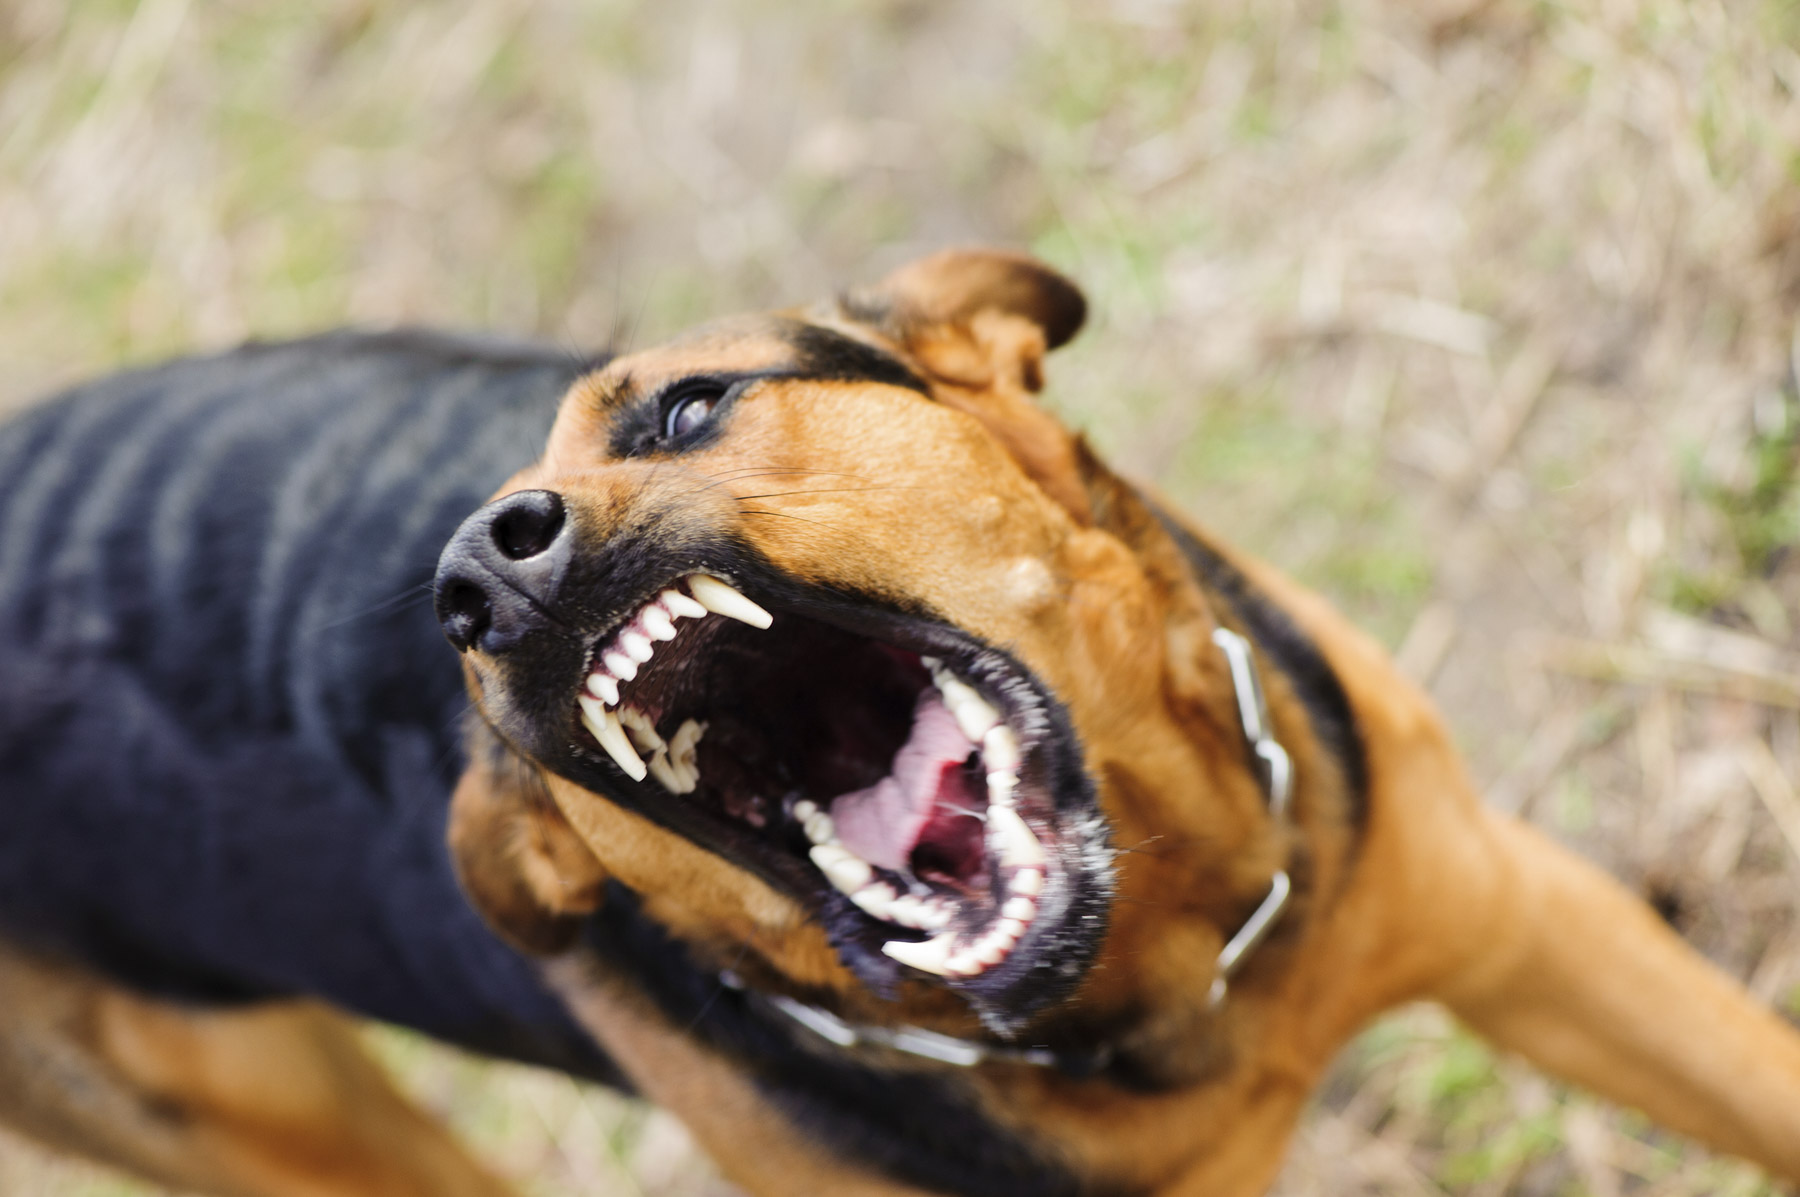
(825,355)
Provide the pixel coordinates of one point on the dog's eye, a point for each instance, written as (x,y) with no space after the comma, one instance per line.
(691,406)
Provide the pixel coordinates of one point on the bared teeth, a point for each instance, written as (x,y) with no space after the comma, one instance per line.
(819,828)
(722,599)
(681,605)
(642,732)
(1012,840)
(605,687)
(1000,750)
(1019,907)
(931,956)
(972,712)
(656,623)
(1029,882)
(619,665)
(605,726)
(636,645)
(846,871)
(874,899)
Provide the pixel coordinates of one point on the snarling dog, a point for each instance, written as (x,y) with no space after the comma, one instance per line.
(819,679)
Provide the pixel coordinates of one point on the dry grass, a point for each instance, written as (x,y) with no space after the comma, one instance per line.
(1476,315)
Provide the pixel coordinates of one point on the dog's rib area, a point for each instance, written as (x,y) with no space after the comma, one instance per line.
(895,777)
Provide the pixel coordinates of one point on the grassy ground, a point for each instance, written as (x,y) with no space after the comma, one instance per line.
(1476,315)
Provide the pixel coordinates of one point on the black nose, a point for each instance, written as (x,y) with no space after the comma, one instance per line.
(498,575)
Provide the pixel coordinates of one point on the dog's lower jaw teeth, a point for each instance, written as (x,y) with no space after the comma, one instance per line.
(611,736)
(930,956)
(1013,840)
(725,600)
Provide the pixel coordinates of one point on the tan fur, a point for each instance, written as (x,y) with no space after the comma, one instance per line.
(981,506)
(272,1101)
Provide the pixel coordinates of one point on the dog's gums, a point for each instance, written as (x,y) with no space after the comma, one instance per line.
(896,777)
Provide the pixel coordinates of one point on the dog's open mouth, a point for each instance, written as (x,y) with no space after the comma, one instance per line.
(907,781)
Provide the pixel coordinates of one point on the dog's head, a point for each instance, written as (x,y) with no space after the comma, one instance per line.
(848,659)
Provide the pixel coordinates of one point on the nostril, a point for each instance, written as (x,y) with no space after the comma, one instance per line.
(529,524)
(465,613)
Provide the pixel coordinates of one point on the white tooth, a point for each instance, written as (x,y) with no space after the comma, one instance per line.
(907,910)
(1009,930)
(819,828)
(605,687)
(803,809)
(1012,838)
(637,646)
(973,714)
(964,964)
(684,748)
(1001,787)
(619,665)
(641,730)
(1022,909)
(721,599)
(931,956)
(875,899)
(991,952)
(669,776)
(657,624)
(1029,882)
(846,871)
(931,663)
(605,726)
(1000,750)
(681,605)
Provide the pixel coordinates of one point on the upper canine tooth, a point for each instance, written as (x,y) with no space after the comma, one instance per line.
(930,956)
(619,665)
(605,726)
(637,646)
(1000,750)
(680,604)
(973,713)
(605,687)
(657,624)
(1013,839)
(721,599)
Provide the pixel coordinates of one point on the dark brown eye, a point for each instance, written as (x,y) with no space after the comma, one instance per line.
(691,407)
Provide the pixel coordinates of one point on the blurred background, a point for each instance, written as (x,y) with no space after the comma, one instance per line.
(1477,315)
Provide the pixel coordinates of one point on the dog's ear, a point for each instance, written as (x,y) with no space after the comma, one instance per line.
(520,863)
(978,323)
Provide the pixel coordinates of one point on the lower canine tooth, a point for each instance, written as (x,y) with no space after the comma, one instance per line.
(669,777)
(931,956)
(724,600)
(605,726)
(642,731)
(1012,838)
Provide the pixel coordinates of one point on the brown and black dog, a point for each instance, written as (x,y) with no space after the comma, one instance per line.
(819,678)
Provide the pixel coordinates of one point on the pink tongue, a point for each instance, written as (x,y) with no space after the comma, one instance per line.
(882,823)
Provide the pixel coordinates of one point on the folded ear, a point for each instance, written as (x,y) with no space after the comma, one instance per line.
(978,323)
(520,863)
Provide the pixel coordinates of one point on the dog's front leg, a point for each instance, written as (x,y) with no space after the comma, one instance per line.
(1585,981)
